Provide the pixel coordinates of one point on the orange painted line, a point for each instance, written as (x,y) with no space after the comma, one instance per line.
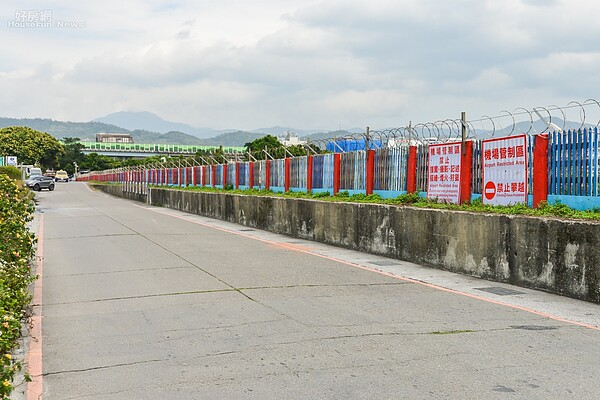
(34,357)
(402,278)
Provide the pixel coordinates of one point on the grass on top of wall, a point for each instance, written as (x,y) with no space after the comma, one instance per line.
(556,210)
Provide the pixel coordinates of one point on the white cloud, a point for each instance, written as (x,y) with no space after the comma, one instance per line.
(310,64)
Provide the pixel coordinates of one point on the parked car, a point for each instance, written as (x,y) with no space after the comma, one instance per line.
(61,176)
(39,182)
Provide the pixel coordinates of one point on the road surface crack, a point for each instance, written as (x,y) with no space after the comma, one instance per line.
(74,371)
(143,296)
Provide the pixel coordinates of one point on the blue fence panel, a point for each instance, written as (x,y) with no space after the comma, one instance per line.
(477,167)
(422,167)
(391,168)
(298,169)
(573,163)
(317,172)
(352,170)
(244,174)
(322,171)
(530,143)
(231,174)
(219,175)
(278,172)
(260,170)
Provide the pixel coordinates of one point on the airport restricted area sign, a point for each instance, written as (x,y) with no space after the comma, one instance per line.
(505,170)
(444,172)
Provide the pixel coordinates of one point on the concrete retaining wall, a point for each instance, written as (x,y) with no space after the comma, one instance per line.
(542,253)
(117,190)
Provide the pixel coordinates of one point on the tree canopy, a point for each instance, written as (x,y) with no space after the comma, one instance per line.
(98,162)
(72,154)
(30,146)
(274,147)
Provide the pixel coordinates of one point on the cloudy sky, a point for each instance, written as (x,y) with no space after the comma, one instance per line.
(318,64)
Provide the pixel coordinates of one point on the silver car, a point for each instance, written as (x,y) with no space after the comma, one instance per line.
(39,182)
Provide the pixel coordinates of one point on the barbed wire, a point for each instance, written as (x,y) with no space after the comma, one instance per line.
(506,123)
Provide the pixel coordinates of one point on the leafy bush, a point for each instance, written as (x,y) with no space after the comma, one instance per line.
(16,252)
(11,171)
(366,198)
(320,195)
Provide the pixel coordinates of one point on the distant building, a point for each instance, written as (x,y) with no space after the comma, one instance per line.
(291,139)
(114,138)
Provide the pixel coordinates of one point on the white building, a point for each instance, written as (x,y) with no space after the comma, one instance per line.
(291,139)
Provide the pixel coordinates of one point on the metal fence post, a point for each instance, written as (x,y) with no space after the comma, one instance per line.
(336,172)
(540,170)
(370,171)
(466,172)
(286,184)
(309,173)
(268,174)
(411,170)
(214,174)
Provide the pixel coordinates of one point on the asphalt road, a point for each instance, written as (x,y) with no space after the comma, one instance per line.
(148,303)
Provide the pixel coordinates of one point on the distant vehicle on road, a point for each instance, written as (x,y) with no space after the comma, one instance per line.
(61,176)
(35,172)
(39,182)
(50,173)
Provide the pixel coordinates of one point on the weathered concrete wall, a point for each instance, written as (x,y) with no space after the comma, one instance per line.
(550,254)
(117,190)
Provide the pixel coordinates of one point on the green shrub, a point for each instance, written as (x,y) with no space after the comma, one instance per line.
(320,195)
(16,253)
(12,172)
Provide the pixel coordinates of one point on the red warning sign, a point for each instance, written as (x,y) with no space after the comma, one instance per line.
(490,190)
(444,172)
(505,170)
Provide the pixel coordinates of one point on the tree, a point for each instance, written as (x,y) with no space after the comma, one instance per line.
(72,154)
(133,162)
(269,143)
(30,146)
(98,162)
(274,147)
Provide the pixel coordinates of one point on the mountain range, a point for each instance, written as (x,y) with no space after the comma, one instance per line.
(146,127)
(147,121)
